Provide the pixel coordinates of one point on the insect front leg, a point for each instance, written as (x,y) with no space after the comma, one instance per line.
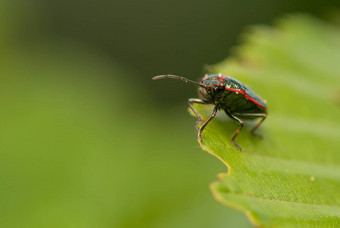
(191,101)
(206,123)
(263,115)
(237,131)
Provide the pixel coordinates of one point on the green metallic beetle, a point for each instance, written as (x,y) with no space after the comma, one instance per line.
(237,100)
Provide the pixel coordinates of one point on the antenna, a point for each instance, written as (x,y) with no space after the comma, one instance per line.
(175,77)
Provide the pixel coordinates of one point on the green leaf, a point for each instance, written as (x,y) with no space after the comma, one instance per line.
(291,177)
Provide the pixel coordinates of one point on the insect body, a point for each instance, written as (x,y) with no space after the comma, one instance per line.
(236,99)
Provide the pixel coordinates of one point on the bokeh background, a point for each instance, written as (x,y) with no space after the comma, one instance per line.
(87,138)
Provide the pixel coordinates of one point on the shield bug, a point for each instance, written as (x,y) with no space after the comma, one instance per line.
(237,100)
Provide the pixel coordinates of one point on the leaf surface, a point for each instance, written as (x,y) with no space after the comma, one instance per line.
(291,177)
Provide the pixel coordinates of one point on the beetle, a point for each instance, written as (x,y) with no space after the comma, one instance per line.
(236,99)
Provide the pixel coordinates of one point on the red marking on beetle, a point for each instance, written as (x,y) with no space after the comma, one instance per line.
(222,77)
(254,101)
(218,79)
(240,91)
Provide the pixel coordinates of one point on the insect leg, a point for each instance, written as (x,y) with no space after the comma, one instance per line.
(191,101)
(263,115)
(237,131)
(206,123)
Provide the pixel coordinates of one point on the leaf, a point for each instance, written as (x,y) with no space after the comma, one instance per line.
(291,177)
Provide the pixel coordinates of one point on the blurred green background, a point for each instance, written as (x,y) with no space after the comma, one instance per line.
(87,139)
